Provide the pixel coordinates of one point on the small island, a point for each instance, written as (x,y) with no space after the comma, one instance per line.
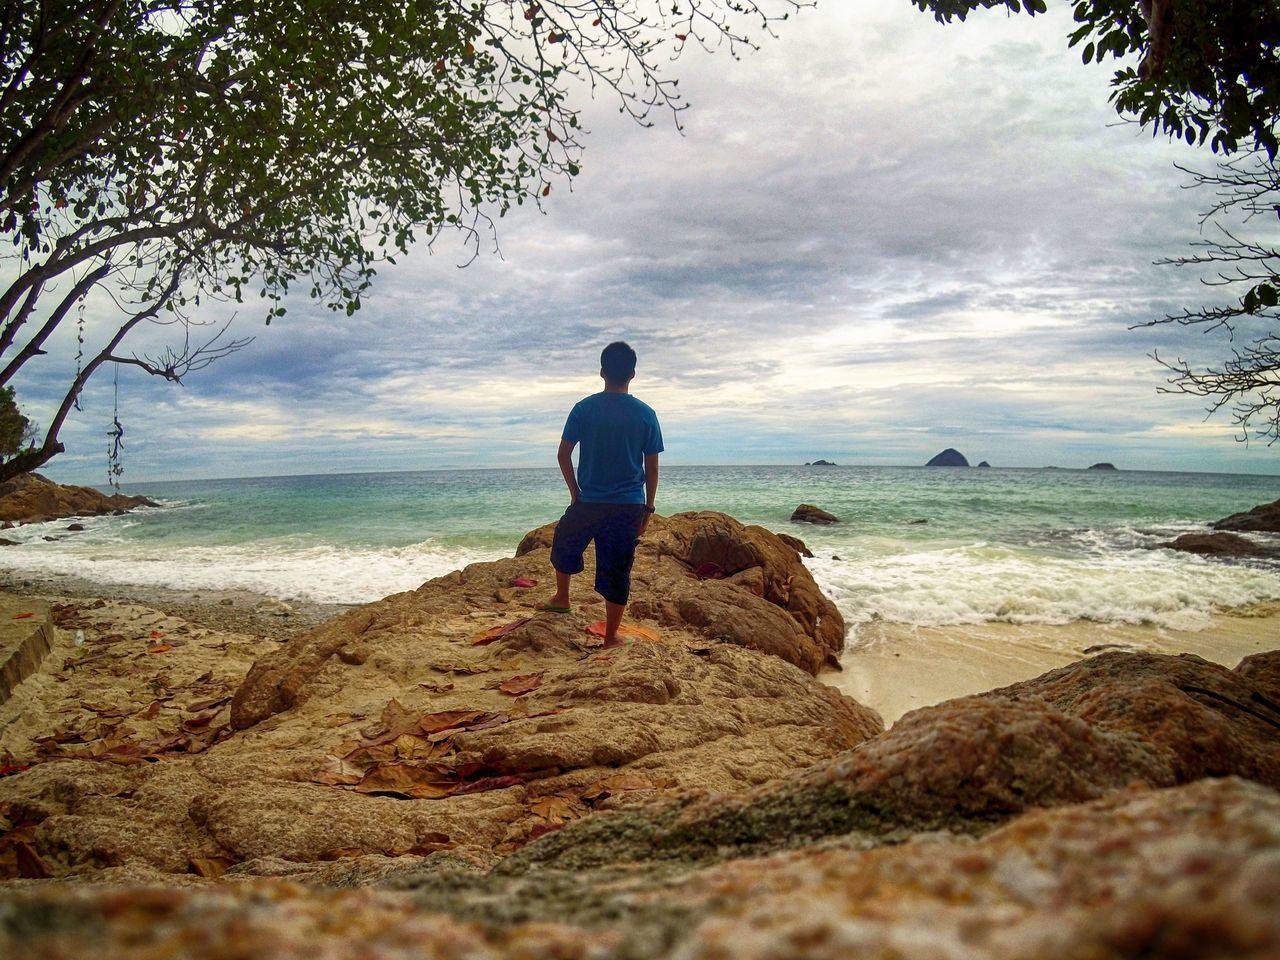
(1103,465)
(822,463)
(948,458)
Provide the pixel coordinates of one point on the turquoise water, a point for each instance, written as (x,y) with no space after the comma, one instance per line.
(916,545)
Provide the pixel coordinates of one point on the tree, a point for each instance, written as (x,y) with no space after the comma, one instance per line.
(1246,189)
(16,431)
(1209,72)
(169,152)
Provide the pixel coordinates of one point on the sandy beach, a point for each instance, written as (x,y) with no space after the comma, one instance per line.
(896,668)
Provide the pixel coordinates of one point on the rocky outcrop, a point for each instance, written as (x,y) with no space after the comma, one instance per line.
(32,498)
(822,463)
(1103,465)
(984,465)
(1217,545)
(808,513)
(1264,518)
(948,458)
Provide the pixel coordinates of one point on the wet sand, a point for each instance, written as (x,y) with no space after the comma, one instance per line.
(895,668)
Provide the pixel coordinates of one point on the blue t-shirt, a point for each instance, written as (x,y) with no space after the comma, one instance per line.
(615,432)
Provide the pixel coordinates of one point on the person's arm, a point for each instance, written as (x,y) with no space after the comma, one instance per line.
(650,487)
(564,457)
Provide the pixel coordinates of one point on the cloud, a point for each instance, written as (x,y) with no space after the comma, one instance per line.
(876,237)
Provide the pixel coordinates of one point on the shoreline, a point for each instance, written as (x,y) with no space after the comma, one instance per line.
(895,667)
(231,610)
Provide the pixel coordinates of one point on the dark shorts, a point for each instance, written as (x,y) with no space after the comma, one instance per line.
(614,527)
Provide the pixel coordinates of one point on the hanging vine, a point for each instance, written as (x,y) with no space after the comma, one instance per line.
(115,440)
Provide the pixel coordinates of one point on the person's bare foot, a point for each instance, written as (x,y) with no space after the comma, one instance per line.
(613,644)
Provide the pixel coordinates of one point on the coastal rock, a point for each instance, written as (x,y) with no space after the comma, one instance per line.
(1217,545)
(984,465)
(948,458)
(821,463)
(1103,465)
(808,513)
(796,544)
(1186,872)
(32,498)
(1264,518)
(1075,734)
(444,718)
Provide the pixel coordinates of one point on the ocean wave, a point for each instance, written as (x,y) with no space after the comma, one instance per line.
(984,583)
(319,572)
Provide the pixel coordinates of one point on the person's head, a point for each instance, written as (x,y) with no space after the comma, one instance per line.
(617,364)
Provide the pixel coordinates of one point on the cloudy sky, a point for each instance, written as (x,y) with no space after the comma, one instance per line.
(877,237)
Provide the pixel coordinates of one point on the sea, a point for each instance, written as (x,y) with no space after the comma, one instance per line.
(914,545)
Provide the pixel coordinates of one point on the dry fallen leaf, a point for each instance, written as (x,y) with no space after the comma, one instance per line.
(496,633)
(448,720)
(520,685)
(210,867)
(559,808)
(622,783)
(160,648)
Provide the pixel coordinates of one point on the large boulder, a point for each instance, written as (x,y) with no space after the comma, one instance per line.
(455,717)
(32,498)
(1264,518)
(948,458)
(1217,545)
(808,513)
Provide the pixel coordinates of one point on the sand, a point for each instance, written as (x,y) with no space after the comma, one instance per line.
(896,668)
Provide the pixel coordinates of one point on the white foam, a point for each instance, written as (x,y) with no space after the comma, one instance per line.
(980,583)
(286,568)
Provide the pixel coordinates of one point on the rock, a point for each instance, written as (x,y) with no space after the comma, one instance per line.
(796,544)
(32,498)
(1217,545)
(1264,518)
(821,463)
(6,542)
(75,527)
(1103,466)
(273,607)
(948,458)
(807,513)
(984,465)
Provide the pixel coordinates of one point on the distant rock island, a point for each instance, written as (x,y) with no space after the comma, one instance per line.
(821,463)
(948,458)
(984,465)
(1103,466)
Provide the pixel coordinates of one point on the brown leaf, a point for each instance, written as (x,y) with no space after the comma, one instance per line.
(160,648)
(29,863)
(482,784)
(337,771)
(425,781)
(520,685)
(106,710)
(448,720)
(200,722)
(397,719)
(210,867)
(465,668)
(559,808)
(622,783)
(442,687)
(498,632)
(207,704)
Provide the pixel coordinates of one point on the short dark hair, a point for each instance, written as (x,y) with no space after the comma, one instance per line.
(618,361)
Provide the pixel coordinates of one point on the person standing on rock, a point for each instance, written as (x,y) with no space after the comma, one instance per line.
(611,496)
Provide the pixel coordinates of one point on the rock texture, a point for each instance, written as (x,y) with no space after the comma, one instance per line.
(808,513)
(454,717)
(32,498)
(1264,518)
(948,458)
(1217,545)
